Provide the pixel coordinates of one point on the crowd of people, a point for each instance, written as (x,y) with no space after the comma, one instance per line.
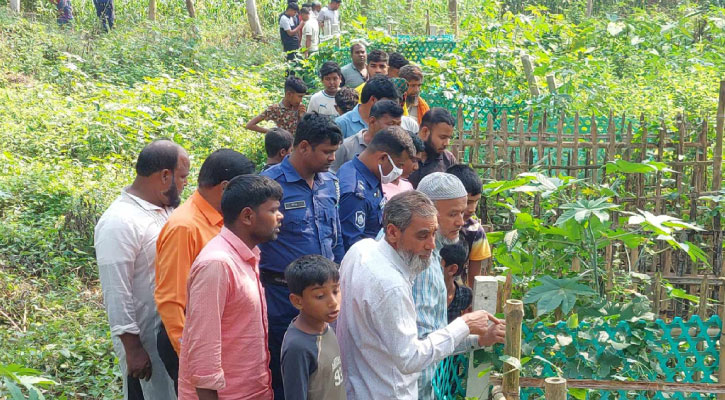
(341,270)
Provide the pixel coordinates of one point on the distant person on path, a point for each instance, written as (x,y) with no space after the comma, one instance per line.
(414,104)
(429,287)
(223,348)
(361,180)
(316,8)
(382,354)
(289,31)
(396,61)
(459,298)
(183,236)
(323,102)
(356,72)
(329,18)
(311,364)
(287,113)
(401,184)
(472,232)
(377,64)
(383,114)
(311,222)
(310,32)
(379,88)
(277,144)
(65,11)
(105,11)
(125,242)
(345,100)
(436,131)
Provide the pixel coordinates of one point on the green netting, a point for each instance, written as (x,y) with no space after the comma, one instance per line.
(414,48)
(671,347)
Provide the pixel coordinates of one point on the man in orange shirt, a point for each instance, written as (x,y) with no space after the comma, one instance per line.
(186,232)
(415,106)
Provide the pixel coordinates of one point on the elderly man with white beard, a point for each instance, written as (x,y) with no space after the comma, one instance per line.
(382,353)
(429,288)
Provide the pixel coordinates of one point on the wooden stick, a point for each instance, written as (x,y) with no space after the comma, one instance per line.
(514,311)
(624,385)
(555,388)
(551,83)
(529,71)
(717,151)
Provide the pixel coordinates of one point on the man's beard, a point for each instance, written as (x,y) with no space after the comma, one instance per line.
(411,99)
(172,195)
(442,240)
(415,263)
(429,149)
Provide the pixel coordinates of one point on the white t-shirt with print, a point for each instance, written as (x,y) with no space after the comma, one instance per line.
(322,103)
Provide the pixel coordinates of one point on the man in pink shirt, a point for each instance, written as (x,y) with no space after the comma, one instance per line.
(401,184)
(224,351)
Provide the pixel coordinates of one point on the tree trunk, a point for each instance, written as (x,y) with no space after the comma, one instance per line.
(190,8)
(590,7)
(453,15)
(152,10)
(254,19)
(15,6)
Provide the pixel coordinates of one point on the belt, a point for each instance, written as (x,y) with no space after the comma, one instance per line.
(272,278)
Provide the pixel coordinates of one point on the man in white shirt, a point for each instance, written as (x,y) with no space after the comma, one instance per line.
(290,30)
(329,18)
(310,32)
(125,242)
(323,102)
(382,355)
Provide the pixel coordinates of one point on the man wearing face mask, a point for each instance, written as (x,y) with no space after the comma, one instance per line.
(361,180)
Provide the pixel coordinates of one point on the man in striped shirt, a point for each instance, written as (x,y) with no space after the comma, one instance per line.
(429,288)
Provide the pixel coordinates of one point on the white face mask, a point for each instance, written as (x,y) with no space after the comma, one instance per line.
(393,175)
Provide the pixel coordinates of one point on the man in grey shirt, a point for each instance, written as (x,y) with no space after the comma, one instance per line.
(384,113)
(356,73)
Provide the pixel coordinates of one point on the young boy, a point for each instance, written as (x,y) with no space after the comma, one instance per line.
(287,113)
(323,102)
(453,259)
(472,231)
(311,364)
(310,32)
(345,100)
(277,144)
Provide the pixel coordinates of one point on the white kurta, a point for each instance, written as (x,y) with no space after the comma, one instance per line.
(125,242)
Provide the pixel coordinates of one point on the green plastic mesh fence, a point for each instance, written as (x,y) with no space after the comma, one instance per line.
(679,351)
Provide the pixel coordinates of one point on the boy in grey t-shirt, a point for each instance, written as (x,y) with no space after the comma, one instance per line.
(311,364)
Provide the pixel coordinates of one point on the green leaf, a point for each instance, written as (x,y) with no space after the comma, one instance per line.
(510,239)
(578,394)
(512,361)
(552,293)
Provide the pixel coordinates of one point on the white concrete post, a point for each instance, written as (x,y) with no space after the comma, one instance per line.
(485,292)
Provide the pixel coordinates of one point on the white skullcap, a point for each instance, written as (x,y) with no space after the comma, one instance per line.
(442,186)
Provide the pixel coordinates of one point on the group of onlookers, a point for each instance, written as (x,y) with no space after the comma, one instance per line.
(302,27)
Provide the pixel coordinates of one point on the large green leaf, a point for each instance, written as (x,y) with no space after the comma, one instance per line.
(582,210)
(552,293)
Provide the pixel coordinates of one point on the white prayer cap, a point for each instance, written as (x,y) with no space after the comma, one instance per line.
(442,186)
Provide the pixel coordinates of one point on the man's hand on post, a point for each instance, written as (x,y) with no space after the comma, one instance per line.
(490,330)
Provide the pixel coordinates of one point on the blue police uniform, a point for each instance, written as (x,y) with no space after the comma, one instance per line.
(361,202)
(311,225)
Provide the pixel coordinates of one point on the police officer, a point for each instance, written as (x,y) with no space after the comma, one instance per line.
(311,223)
(361,199)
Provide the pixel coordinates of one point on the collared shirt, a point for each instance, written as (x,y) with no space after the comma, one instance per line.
(311,223)
(439,163)
(391,189)
(322,103)
(478,247)
(431,303)
(351,122)
(283,117)
(350,147)
(462,300)
(125,241)
(186,232)
(331,21)
(224,345)
(353,76)
(361,202)
(382,355)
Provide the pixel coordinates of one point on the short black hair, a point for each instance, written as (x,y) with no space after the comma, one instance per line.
(397,60)
(377,55)
(295,84)
(305,10)
(456,253)
(380,87)
(386,107)
(330,67)
(277,139)
(316,129)
(250,190)
(357,44)
(393,140)
(469,177)
(293,6)
(346,98)
(309,270)
(417,142)
(223,165)
(437,115)
(157,156)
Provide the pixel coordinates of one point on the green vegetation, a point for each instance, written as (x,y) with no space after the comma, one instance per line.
(76,106)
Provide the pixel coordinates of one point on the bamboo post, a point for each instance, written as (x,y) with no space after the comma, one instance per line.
(555,388)
(717,152)
(427,22)
(15,6)
(152,10)
(590,7)
(485,293)
(529,71)
(717,240)
(514,311)
(453,15)
(551,83)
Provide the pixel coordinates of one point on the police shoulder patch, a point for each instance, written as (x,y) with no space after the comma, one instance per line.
(360,219)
